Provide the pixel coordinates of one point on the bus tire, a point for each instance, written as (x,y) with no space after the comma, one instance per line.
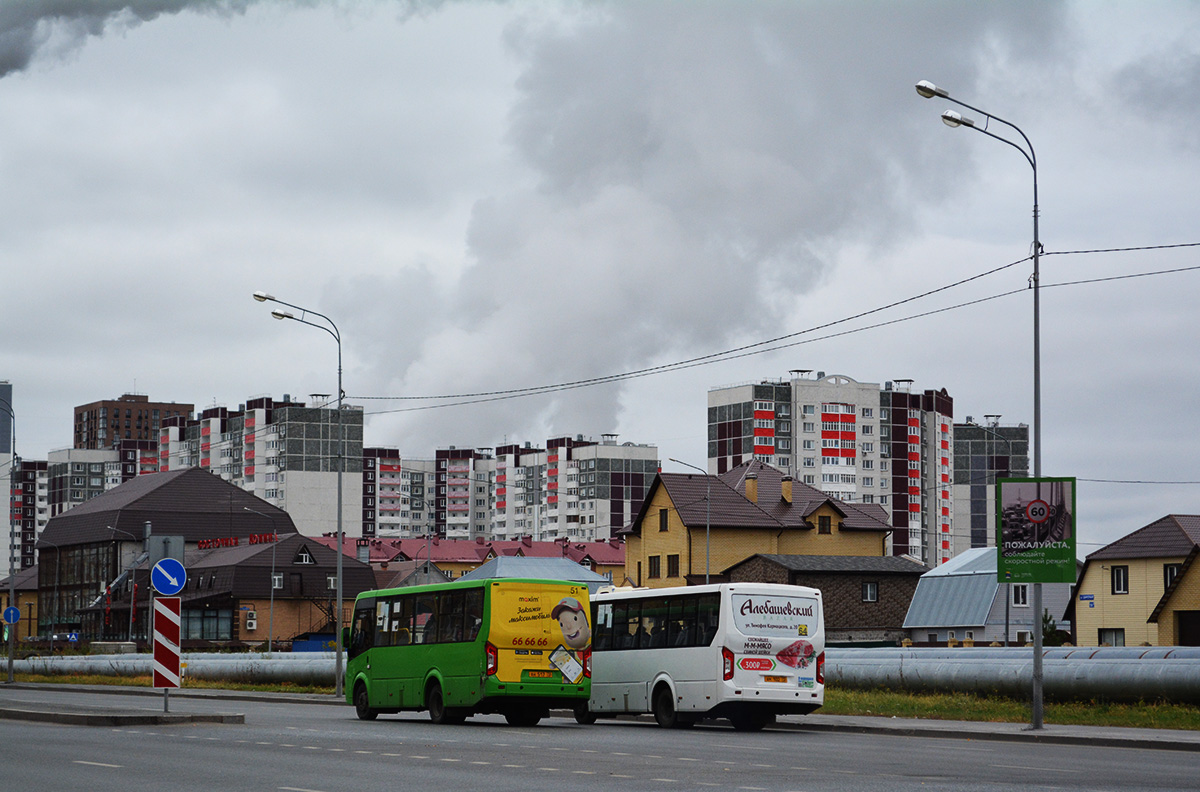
(751,721)
(665,713)
(436,704)
(583,715)
(362,706)
(523,717)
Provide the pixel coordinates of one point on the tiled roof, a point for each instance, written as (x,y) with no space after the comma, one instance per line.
(689,492)
(191,503)
(888,565)
(1173,535)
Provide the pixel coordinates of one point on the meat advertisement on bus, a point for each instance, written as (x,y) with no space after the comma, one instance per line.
(778,627)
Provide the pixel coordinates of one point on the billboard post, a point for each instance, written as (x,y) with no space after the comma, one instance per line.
(1035,542)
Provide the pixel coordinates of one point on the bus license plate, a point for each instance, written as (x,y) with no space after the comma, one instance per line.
(775,679)
(541,674)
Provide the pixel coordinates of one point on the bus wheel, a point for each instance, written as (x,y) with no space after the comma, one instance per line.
(438,711)
(664,709)
(523,717)
(362,706)
(583,715)
(751,721)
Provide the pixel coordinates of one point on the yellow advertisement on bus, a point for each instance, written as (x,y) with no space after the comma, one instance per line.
(540,632)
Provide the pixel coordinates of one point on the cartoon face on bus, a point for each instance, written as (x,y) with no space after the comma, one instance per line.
(572,618)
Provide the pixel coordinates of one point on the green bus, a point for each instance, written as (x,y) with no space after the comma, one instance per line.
(512,646)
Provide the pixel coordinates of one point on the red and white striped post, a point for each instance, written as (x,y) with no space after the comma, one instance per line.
(166,645)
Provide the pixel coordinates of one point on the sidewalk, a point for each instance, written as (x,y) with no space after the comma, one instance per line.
(82,713)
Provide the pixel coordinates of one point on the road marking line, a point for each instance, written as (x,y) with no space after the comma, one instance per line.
(666,780)
(584,772)
(1038,769)
(95,764)
(299,789)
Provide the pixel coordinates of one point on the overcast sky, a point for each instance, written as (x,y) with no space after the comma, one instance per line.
(492,196)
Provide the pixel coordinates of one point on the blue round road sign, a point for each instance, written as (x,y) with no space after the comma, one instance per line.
(12,615)
(168,577)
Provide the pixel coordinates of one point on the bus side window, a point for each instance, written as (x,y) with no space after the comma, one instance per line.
(708,617)
(474,613)
(402,621)
(654,623)
(602,626)
(450,616)
(681,630)
(383,623)
(425,619)
(631,625)
(362,636)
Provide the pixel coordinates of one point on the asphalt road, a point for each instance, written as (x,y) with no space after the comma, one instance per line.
(291,745)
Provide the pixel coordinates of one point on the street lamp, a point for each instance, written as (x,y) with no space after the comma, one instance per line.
(274,541)
(953,119)
(341,454)
(707,512)
(132,579)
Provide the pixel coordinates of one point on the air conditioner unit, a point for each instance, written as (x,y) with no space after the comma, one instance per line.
(251,624)
(251,615)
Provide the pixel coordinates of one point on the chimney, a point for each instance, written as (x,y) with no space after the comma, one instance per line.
(752,487)
(785,484)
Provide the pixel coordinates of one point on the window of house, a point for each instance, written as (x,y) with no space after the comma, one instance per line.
(1020,594)
(331,582)
(277,581)
(673,565)
(870,591)
(1110,636)
(655,566)
(1170,572)
(824,525)
(1120,581)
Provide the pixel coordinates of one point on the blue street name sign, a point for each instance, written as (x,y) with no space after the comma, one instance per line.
(168,577)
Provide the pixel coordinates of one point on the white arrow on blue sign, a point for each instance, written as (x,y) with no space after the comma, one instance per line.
(168,577)
(12,615)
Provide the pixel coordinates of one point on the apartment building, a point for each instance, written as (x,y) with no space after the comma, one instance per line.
(285,452)
(104,424)
(859,442)
(983,453)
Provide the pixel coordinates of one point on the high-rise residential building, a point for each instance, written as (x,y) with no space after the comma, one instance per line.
(857,441)
(285,452)
(983,453)
(104,424)
(568,487)
(29,511)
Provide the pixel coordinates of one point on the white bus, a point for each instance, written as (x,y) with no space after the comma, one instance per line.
(742,651)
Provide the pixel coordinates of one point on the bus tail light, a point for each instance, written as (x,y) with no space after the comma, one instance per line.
(586,657)
(726,663)
(493,658)
(821,669)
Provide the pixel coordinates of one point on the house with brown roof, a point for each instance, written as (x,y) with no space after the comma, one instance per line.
(692,527)
(1143,588)
(866,597)
(248,568)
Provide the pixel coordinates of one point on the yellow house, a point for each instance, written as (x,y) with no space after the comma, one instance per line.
(1143,588)
(692,526)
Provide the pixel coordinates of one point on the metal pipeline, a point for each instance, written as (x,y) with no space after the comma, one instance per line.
(1111,674)
(307,668)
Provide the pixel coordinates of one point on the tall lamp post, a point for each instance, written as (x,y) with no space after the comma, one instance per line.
(332,329)
(274,542)
(954,119)
(707,513)
(12,541)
